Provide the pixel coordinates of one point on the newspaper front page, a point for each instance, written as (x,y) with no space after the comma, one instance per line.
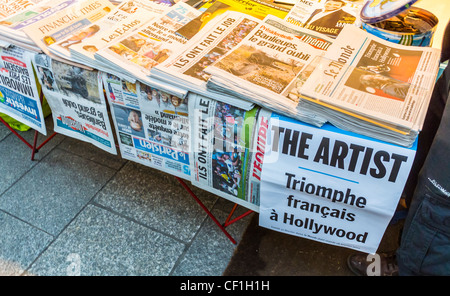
(376,79)
(131,15)
(12,27)
(311,190)
(255,8)
(107,28)
(19,95)
(269,65)
(152,125)
(11,7)
(73,18)
(328,17)
(75,96)
(221,142)
(149,45)
(186,68)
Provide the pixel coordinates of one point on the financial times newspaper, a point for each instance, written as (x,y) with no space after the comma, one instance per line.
(75,96)
(19,96)
(149,45)
(73,18)
(328,17)
(376,79)
(152,125)
(221,142)
(122,20)
(186,68)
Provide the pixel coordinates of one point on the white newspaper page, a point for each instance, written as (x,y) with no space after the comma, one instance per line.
(19,96)
(125,21)
(188,65)
(333,187)
(11,7)
(328,17)
(221,142)
(375,78)
(268,64)
(106,26)
(75,17)
(149,45)
(75,96)
(152,125)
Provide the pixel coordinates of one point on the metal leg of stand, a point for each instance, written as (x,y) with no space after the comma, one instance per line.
(206,210)
(228,222)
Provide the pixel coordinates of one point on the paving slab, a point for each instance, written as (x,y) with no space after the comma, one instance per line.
(20,244)
(155,199)
(100,243)
(50,194)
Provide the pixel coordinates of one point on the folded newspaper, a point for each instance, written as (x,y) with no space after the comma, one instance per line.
(326,17)
(80,47)
(57,26)
(152,125)
(256,8)
(186,68)
(269,66)
(221,147)
(148,45)
(373,87)
(75,96)
(12,26)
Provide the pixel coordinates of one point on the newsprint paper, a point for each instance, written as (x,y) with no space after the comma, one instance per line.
(269,65)
(152,125)
(333,187)
(149,45)
(19,96)
(326,17)
(61,24)
(75,96)
(125,21)
(122,20)
(187,67)
(221,142)
(374,80)
(12,28)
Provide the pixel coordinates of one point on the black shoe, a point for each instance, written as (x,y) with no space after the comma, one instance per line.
(382,264)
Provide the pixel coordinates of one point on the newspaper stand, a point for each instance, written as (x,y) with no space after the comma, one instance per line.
(33,147)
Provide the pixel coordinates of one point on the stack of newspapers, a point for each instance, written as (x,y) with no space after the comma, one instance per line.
(358,83)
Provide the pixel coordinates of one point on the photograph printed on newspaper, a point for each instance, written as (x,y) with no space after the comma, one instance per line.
(328,17)
(221,143)
(152,125)
(149,45)
(377,79)
(75,96)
